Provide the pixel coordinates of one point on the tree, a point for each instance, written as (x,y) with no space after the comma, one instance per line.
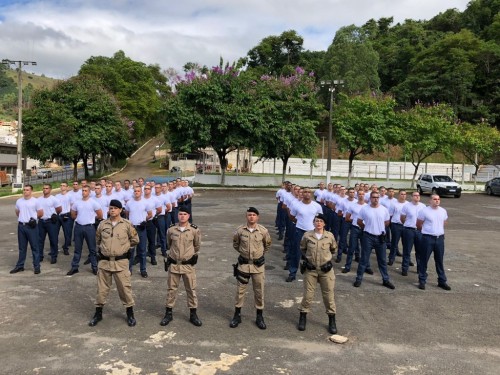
(479,143)
(363,124)
(426,130)
(446,72)
(276,55)
(351,57)
(139,89)
(214,109)
(77,118)
(291,112)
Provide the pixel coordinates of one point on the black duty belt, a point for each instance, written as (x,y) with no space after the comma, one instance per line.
(119,257)
(433,236)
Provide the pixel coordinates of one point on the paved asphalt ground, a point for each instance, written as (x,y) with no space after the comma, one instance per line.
(43,318)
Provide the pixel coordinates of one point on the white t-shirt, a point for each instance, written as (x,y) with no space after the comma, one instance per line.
(152,204)
(387,203)
(119,195)
(344,205)
(395,211)
(163,200)
(65,201)
(85,211)
(354,210)
(411,211)
(27,209)
(374,219)
(138,211)
(279,194)
(305,213)
(103,201)
(433,220)
(319,194)
(48,205)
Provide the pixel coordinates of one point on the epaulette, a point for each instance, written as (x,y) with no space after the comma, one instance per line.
(194,226)
(172,225)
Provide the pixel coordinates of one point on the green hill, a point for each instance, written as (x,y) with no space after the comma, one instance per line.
(9,90)
(36,81)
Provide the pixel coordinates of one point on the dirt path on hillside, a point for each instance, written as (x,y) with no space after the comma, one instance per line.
(139,165)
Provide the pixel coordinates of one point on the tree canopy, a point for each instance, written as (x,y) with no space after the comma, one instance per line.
(76,119)
(291,113)
(139,88)
(213,110)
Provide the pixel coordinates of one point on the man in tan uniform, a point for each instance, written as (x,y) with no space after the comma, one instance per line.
(184,241)
(114,237)
(318,247)
(252,241)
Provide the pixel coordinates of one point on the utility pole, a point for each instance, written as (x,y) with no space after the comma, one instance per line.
(332,86)
(20,63)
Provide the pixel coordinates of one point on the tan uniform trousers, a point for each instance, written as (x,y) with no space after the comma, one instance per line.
(326,282)
(189,279)
(258,291)
(122,280)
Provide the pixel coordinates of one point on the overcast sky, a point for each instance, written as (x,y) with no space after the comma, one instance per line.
(61,34)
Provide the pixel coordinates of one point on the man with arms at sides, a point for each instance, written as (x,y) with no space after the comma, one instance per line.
(431,220)
(373,219)
(411,237)
(48,223)
(115,236)
(184,242)
(28,211)
(317,247)
(302,213)
(137,211)
(252,241)
(84,212)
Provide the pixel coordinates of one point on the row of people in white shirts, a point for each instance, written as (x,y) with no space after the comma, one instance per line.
(397,208)
(168,197)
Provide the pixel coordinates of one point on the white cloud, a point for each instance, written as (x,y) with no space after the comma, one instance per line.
(60,36)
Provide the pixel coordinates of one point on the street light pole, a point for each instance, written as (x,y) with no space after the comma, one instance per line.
(332,85)
(19,171)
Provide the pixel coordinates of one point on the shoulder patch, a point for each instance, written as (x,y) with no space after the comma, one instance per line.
(194,226)
(172,225)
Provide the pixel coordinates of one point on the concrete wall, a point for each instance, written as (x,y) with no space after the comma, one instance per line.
(275,181)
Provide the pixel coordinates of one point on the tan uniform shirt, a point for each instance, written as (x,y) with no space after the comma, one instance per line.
(183,245)
(251,246)
(318,252)
(115,241)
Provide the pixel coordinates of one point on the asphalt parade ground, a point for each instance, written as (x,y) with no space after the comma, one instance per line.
(44,318)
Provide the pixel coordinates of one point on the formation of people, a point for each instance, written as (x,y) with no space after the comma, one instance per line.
(362,219)
(124,225)
(121,226)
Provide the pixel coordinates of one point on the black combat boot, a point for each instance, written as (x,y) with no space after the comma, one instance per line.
(236,318)
(260,320)
(332,327)
(193,318)
(97,316)
(168,317)
(302,321)
(130,317)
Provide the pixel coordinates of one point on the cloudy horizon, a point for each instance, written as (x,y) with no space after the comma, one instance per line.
(61,36)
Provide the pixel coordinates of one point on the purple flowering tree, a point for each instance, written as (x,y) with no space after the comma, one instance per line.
(214,109)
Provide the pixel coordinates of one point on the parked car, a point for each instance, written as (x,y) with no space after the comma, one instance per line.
(44,173)
(492,187)
(438,184)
